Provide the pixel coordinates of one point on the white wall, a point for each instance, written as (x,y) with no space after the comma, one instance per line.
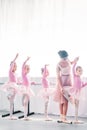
(40,28)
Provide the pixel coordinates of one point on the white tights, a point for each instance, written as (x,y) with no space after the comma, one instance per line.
(76,109)
(25,101)
(46,106)
(11,100)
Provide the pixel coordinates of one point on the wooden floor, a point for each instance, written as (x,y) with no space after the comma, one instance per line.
(37,122)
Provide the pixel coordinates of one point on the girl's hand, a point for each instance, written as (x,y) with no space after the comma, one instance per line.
(28,58)
(17,55)
(62,91)
(15,58)
(47,65)
(75,60)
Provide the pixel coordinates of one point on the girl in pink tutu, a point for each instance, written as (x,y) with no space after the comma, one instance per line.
(11,86)
(77,86)
(25,88)
(63,79)
(45,92)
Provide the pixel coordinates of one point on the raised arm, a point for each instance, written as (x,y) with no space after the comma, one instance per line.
(11,70)
(12,62)
(15,57)
(75,62)
(24,64)
(26,60)
(45,70)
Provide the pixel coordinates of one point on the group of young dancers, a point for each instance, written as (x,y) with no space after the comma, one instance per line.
(15,86)
(23,87)
(65,90)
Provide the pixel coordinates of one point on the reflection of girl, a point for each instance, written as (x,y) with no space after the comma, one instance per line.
(45,92)
(63,79)
(26,90)
(11,86)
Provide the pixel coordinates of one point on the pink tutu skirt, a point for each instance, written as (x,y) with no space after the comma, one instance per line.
(71,92)
(26,90)
(46,92)
(10,87)
(76,93)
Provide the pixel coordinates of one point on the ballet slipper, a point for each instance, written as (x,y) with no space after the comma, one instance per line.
(13,118)
(26,119)
(48,119)
(66,121)
(61,119)
(78,122)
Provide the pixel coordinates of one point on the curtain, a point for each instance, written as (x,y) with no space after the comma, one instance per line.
(39,28)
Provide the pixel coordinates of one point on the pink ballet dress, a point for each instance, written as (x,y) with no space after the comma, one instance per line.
(25,86)
(75,91)
(46,91)
(11,87)
(65,78)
